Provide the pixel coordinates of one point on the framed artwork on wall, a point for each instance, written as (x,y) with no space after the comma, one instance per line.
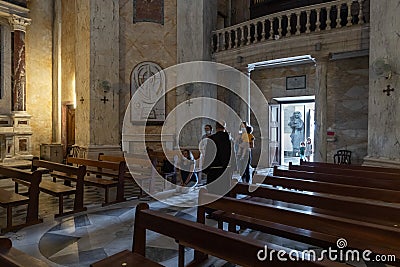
(296,82)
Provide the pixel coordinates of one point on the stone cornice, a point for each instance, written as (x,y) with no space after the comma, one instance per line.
(19,23)
(7,9)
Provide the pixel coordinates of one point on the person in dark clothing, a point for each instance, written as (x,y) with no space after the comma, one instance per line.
(219,161)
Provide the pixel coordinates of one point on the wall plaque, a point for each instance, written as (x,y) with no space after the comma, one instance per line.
(296,82)
(148,94)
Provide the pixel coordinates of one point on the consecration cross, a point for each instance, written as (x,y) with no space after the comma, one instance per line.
(189,102)
(104,99)
(388,90)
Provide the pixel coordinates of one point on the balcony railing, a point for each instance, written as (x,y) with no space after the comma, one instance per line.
(304,20)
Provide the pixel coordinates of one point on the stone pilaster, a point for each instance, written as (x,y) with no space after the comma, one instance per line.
(195,22)
(97,76)
(383,119)
(320,110)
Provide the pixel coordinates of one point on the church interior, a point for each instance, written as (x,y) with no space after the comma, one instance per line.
(100,98)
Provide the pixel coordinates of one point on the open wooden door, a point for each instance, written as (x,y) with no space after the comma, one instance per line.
(274,134)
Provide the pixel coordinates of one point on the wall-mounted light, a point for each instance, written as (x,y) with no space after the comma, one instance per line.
(281,62)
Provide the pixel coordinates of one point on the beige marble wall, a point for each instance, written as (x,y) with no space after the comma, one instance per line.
(383,119)
(347,106)
(145,41)
(104,72)
(68,33)
(39,72)
(82,74)
(5,87)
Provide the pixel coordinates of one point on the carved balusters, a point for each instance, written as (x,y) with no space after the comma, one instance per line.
(318,20)
(279,26)
(248,34)
(242,40)
(328,18)
(223,46)
(236,33)
(263,34)
(360,12)
(289,26)
(338,20)
(255,32)
(308,24)
(271,29)
(349,17)
(298,23)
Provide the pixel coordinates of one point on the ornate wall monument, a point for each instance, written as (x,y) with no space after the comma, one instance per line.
(15,128)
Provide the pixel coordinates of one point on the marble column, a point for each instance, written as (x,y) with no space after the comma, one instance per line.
(320,110)
(383,118)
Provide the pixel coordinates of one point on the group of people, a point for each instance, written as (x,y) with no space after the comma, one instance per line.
(221,156)
(306,149)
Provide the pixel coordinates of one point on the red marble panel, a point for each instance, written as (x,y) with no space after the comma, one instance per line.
(148,10)
(19,79)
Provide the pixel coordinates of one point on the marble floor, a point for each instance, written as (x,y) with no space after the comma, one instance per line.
(84,238)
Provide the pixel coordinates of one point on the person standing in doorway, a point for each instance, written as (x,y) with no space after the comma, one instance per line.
(308,151)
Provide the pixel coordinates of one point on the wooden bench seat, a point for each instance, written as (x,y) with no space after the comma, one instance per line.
(312,228)
(94,180)
(362,210)
(369,182)
(350,166)
(384,195)
(139,169)
(126,258)
(364,173)
(9,199)
(59,190)
(232,247)
(12,257)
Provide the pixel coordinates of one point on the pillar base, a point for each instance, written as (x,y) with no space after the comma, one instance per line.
(381,162)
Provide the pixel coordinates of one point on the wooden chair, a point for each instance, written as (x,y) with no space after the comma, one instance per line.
(342,157)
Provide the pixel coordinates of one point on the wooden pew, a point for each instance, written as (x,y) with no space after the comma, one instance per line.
(9,199)
(102,182)
(310,228)
(384,195)
(345,207)
(348,172)
(139,169)
(60,170)
(232,247)
(350,166)
(340,178)
(12,257)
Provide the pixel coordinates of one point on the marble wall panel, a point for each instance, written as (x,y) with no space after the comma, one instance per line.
(347,106)
(39,72)
(145,41)
(5,87)
(68,42)
(384,119)
(82,72)
(104,70)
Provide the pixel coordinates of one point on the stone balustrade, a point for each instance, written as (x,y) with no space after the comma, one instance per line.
(294,22)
